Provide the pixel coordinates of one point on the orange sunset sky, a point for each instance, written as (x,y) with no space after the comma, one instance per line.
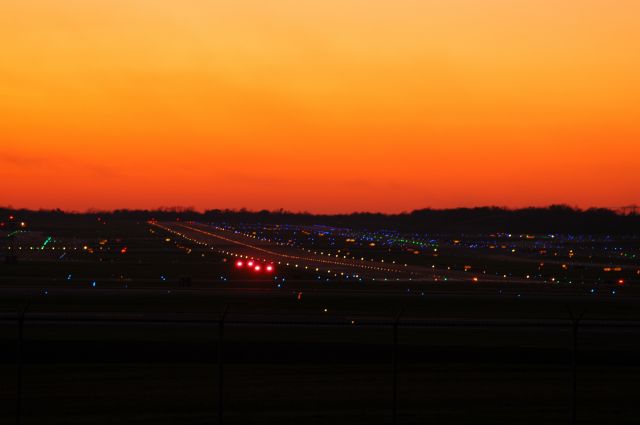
(325,106)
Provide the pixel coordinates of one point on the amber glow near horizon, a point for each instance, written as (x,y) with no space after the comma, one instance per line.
(323,106)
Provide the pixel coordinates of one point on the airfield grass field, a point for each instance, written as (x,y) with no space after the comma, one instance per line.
(143,344)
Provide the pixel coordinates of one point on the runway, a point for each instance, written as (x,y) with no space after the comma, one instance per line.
(240,246)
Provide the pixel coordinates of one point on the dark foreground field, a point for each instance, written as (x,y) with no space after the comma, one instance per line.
(106,322)
(150,354)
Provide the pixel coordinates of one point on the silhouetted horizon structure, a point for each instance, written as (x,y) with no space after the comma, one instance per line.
(553,219)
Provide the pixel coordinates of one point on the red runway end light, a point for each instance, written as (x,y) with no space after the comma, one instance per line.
(269,268)
(257,268)
(250,264)
(239,264)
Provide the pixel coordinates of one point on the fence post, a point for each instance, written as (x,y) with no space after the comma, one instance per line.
(394,368)
(221,366)
(21,315)
(575,323)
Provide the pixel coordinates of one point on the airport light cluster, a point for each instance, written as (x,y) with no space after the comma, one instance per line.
(255,266)
(342,256)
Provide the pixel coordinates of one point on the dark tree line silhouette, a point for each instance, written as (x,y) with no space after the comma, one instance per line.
(557,219)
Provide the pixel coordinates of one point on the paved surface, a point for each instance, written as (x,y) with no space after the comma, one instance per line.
(242,246)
